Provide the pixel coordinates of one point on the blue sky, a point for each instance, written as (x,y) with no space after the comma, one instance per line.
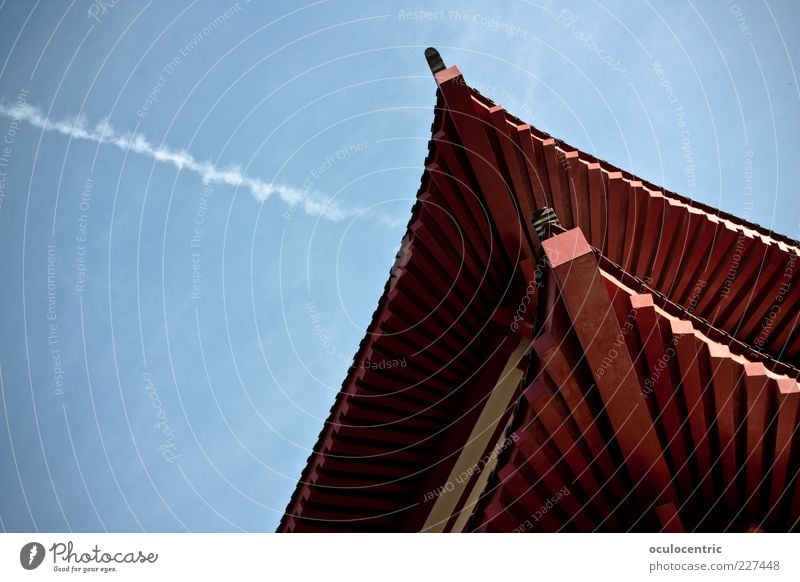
(200,202)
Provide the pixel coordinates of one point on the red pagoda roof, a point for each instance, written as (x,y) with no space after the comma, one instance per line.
(636,370)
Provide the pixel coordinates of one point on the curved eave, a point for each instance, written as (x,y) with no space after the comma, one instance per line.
(465,260)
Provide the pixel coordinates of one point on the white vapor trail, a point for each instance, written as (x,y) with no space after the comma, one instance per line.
(104,133)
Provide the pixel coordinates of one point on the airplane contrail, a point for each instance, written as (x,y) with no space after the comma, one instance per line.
(103,133)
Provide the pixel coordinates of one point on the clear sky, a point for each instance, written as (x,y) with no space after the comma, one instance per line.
(200,203)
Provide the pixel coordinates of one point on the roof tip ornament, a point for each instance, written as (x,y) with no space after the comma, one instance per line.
(434,59)
(545,223)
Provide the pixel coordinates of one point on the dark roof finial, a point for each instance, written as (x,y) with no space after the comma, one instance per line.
(434,59)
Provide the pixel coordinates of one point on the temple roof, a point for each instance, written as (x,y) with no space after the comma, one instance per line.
(476,301)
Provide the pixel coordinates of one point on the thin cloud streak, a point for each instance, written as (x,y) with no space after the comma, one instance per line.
(103,133)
